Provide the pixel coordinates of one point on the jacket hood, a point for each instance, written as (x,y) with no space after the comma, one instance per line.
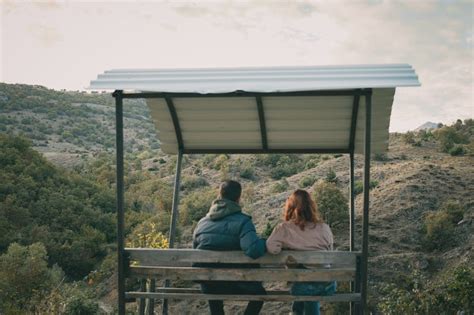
(221,208)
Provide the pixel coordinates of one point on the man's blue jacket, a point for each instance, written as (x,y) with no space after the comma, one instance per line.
(225,227)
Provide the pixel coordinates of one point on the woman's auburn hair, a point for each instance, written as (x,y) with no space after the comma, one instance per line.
(300,208)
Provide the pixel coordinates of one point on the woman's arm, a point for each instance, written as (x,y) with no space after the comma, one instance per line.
(276,240)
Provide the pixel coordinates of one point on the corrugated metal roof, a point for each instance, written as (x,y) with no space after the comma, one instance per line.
(270,79)
(293,122)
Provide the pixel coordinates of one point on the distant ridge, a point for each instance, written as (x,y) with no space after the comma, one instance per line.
(427,126)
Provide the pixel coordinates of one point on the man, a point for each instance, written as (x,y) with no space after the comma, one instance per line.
(225,227)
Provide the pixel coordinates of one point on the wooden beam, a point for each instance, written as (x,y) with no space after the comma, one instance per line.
(156,257)
(233,274)
(343,297)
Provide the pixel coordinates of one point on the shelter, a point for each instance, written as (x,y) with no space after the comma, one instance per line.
(318,109)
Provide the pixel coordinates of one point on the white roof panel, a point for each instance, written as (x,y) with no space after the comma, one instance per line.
(293,122)
(270,79)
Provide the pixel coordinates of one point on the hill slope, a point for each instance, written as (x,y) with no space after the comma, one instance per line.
(412,182)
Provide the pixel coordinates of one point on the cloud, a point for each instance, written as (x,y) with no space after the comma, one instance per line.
(46,35)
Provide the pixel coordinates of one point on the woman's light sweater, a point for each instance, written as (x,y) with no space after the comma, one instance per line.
(288,235)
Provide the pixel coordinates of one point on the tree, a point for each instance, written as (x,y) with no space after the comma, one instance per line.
(332,203)
(25,278)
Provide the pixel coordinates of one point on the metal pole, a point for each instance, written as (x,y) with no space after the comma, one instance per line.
(351,218)
(120,200)
(365,223)
(174,215)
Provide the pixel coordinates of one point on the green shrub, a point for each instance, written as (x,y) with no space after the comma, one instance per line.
(25,278)
(448,137)
(454,209)
(359,186)
(247,172)
(381,157)
(82,305)
(268,230)
(193,182)
(280,186)
(306,181)
(196,204)
(331,176)
(439,231)
(457,149)
(408,137)
(332,203)
(452,295)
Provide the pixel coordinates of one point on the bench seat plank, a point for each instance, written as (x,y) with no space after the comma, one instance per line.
(157,257)
(342,297)
(257,274)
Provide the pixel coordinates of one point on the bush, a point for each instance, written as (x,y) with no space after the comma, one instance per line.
(25,278)
(280,186)
(381,157)
(439,226)
(82,305)
(247,172)
(193,182)
(332,203)
(147,235)
(457,150)
(454,209)
(439,231)
(306,181)
(195,205)
(331,176)
(359,186)
(268,230)
(448,137)
(408,137)
(452,295)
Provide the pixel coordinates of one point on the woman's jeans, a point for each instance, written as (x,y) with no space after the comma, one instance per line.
(310,288)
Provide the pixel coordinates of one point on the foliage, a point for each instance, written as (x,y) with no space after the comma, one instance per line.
(71,216)
(306,181)
(332,203)
(193,182)
(195,205)
(454,209)
(450,296)
(439,226)
(381,157)
(281,165)
(409,137)
(331,176)
(147,235)
(247,172)
(25,278)
(457,149)
(280,186)
(81,119)
(449,136)
(268,230)
(359,186)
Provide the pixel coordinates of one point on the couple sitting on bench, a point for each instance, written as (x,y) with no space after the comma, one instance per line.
(225,227)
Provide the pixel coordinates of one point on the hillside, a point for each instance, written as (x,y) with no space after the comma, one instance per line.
(69,127)
(422,178)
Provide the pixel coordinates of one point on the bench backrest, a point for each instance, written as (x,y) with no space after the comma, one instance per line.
(176,264)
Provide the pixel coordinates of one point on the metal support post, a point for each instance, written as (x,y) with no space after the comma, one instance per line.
(365,223)
(174,215)
(120,200)
(351,217)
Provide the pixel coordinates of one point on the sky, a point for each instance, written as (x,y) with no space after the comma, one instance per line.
(65,44)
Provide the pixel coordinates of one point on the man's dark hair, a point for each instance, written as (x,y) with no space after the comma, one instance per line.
(230,189)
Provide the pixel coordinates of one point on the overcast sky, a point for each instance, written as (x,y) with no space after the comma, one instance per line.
(65,44)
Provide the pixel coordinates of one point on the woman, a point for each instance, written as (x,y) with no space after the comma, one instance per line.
(303,229)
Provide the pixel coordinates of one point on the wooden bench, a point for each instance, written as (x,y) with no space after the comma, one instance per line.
(176,264)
